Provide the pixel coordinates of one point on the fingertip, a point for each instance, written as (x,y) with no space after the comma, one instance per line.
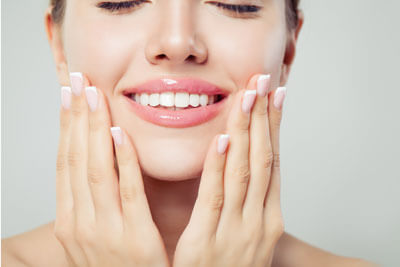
(66,97)
(279,97)
(263,84)
(117,135)
(222,143)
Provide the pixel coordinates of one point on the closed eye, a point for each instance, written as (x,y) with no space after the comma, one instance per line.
(126,5)
(237,8)
(119,6)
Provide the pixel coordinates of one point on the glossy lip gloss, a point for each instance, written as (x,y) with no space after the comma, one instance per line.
(183,118)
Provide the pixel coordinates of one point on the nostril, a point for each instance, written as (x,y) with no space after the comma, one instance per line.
(161,56)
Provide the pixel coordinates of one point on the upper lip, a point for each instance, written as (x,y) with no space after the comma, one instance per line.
(190,85)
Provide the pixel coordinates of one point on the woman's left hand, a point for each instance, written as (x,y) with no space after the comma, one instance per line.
(237,219)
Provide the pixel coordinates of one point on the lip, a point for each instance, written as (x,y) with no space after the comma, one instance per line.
(177,118)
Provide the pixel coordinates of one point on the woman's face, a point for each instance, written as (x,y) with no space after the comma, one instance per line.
(172,39)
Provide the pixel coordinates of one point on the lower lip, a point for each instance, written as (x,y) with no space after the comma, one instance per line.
(177,118)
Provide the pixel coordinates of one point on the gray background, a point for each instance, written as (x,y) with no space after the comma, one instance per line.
(339,139)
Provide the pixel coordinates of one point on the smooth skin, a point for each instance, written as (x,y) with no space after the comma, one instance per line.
(230,227)
(100,221)
(236,220)
(116,52)
(96,229)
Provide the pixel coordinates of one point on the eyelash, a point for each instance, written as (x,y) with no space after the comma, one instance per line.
(117,6)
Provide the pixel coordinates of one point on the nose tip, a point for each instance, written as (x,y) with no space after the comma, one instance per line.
(176,39)
(176,49)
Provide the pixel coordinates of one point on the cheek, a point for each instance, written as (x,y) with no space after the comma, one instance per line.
(243,52)
(101,50)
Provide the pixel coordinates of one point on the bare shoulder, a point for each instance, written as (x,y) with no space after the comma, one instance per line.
(37,247)
(292,252)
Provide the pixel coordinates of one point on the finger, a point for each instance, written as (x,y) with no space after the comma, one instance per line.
(77,154)
(102,177)
(210,198)
(260,151)
(64,200)
(272,198)
(135,208)
(237,171)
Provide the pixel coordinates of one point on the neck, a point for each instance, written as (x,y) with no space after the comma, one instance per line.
(171,205)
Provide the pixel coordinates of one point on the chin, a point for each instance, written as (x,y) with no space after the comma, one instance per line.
(179,164)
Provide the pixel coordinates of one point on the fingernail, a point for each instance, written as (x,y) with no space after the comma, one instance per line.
(91,96)
(263,84)
(223,141)
(117,135)
(279,97)
(76,79)
(248,100)
(66,97)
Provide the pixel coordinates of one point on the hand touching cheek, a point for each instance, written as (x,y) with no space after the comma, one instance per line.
(102,218)
(236,220)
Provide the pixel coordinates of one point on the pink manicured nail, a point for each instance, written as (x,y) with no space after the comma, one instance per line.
(248,100)
(66,97)
(223,141)
(279,97)
(263,84)
(76,79)
(91,96)
(117,135)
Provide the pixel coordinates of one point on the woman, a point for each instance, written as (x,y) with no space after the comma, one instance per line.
(189,174)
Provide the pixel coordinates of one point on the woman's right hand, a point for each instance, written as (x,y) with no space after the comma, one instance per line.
(100,221)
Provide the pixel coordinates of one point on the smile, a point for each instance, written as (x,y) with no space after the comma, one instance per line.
(176,103)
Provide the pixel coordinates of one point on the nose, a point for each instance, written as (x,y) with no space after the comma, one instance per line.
(174,42)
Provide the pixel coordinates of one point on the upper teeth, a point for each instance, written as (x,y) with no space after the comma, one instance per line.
(171,99)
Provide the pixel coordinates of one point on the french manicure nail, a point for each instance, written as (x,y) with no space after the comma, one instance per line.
(92,97)
(248,100)
(223,141)
(117,135)
(263,84)
(279,97)
(76,79)
(66,97)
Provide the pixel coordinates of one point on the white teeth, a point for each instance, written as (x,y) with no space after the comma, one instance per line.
(137,98)
(154,100)
(174,101)
(210,99)
(182,100)
(167,99)
(144,99)
(203,100)
(194,100)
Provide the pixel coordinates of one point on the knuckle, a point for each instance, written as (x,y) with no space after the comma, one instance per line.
(242,126)
(243,173)
(61,163)
(74,159)
(216,202)
(268,160)
(95,175)
(277,160)
(128,194)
